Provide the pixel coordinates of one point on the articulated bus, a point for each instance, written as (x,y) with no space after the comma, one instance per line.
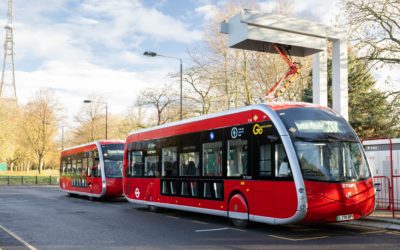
(275,163)
(93,169)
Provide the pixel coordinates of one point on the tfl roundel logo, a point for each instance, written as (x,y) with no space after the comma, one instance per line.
(137,193)
(234,132)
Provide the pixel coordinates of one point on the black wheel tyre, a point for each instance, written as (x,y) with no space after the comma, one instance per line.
(91,198)
(240,223)
(154,209)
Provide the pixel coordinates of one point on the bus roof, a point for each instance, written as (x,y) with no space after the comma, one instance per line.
(91,144)
(227,118)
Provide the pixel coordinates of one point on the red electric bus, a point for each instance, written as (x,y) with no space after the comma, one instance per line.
(275,163)
(93,169)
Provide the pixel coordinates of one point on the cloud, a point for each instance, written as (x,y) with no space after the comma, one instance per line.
(119,18)
(73,82)
(208,11)
(78,48)
(322,11)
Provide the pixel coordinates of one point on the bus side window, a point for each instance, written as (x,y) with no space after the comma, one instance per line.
(90,165)
(212,158)
(64,167)
(237,157)
(96,168)
(265,161)
(85,166)
(169,161)
(69,167)
(189,163)
(135,164)
(282,167)
(151,165)
(79,167)
(74,166)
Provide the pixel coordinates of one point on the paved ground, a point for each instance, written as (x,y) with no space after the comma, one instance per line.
(45,218)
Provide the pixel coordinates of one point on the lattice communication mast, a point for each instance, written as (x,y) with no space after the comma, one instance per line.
(7,87)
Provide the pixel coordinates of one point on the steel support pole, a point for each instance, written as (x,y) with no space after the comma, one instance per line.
(181,97)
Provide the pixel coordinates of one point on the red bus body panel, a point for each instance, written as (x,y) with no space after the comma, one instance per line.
(328,200)
(265,198)
(113,185)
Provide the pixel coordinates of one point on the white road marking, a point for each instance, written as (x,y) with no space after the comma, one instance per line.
(374,232)
(393,232)
(18,238)
(237,229)
(173,217)
(298,239)
(115,205)
(306,229)
(199,222)
(211,230)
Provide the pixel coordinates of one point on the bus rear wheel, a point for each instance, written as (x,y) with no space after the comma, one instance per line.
(154,209)
(240,223)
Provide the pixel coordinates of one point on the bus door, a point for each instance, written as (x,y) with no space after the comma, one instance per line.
(262,148)
(94,176)
(285,200)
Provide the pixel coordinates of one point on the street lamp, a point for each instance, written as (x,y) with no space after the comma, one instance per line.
(90,101)
(62,138)
(153,54)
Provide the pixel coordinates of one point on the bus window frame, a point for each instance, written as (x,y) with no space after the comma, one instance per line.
(169,142)
(190,143)
(241,135)
(212,136)
(267,136)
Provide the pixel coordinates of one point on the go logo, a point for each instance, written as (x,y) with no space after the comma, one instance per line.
(258,130)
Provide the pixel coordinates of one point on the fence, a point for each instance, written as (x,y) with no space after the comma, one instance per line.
(29,180)
(387,195)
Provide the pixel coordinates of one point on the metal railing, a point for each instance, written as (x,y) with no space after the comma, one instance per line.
(387,195)
(28,180)
(383,199)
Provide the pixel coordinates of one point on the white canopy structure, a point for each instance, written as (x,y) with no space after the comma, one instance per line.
(251,30)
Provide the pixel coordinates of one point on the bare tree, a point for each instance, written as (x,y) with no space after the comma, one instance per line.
(163,100)
(132,120)
(91,121)
(41,116)
(241,77)
(9,118)
(199,96)
(375,28)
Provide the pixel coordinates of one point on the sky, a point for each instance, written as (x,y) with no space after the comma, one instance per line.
(79,48)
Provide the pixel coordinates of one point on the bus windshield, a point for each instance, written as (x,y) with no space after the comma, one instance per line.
(113,155)
(326,145)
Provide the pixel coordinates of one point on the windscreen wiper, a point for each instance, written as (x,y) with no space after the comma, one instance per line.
(308,139)
(340,138)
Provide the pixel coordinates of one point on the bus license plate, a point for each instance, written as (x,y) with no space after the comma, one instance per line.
(345,217)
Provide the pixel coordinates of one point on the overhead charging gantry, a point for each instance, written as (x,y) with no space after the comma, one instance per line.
(270,33)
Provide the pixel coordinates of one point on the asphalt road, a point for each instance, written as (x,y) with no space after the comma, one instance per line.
(45,218)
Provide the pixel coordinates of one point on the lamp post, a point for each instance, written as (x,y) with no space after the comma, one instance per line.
(90,101)
(153,54)
(62,137)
